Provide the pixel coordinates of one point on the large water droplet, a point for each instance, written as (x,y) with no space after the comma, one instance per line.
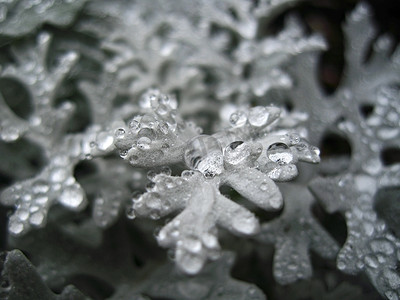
(236,152)
(280,153)
(203,153)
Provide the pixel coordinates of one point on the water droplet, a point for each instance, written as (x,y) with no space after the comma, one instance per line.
(169,183)
(144,143)
(294,138)
(264,186)
(72,197)
(162,109)
(280,153)
(123,153)
(203,153)
(41,200)
(261,116)
(59,175)
(119,133)
(15,227)
(9,134)
(192,244)
(130,213)
(151,175)
(371,261)
(190,263)
(236,152)
(187,173)
(150,186)
(153,201)
(22,214)
(387,133)
(134,125)
(301,147)
(341,265)
(164,128)
(238,119)
(37,218)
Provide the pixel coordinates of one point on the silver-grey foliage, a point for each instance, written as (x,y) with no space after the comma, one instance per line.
(183,101)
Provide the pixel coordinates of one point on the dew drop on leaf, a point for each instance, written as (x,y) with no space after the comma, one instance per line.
(280,153)
(238,119)
(203,153)
(236,152)
(72,197)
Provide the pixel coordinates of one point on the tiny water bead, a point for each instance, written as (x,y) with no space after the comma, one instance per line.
(123,153)
(204,153)
(119,133)
(280,153)
(187,173)
(130,213)
(294,138)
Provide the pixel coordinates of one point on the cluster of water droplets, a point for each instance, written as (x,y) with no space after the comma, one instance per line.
(256,117)
(40,83)
(385,119)
(155,202)
(34,197)
(155,134)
